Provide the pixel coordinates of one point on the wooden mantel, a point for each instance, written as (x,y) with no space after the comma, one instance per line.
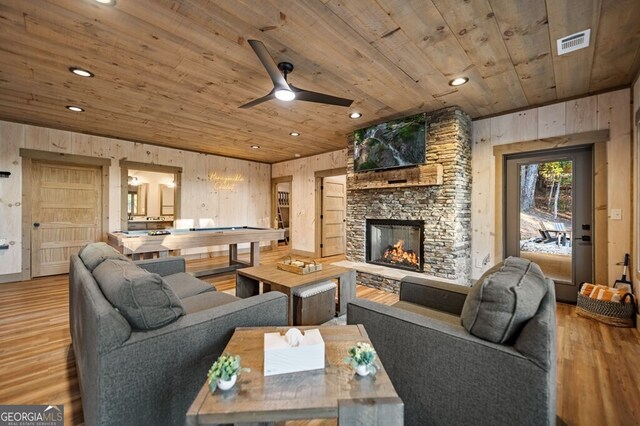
(424,175)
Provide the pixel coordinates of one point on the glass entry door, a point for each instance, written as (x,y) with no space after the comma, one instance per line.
(548,215)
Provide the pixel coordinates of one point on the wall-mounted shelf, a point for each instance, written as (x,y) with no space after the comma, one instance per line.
(425,175)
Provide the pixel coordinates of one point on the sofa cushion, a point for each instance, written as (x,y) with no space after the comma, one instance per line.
(143,298)
(94,254)
(499,305)
(208,300)
(537,340)
(185,285)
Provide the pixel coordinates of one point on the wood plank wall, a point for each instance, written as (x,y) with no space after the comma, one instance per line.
(248,203)
(606,111)
(303,190)
(635,260)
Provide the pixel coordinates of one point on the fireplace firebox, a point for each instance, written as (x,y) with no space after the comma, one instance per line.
(395,243)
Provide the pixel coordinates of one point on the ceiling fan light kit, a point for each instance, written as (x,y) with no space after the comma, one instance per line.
(285,95)
(282,89)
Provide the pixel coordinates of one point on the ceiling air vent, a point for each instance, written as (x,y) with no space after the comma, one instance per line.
(574,42)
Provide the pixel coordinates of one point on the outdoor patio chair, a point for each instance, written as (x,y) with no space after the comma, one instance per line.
(555,233)
(546,234)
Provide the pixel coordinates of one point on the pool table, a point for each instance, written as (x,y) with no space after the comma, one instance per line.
(139,243)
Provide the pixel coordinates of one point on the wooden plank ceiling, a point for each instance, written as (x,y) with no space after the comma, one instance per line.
(173,73)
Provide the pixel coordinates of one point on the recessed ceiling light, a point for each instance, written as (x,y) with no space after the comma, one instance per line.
(255,146)
(294,134)
(81,72)
(107,2)
(296,155)
(74,108)
(458,81)
(355,115)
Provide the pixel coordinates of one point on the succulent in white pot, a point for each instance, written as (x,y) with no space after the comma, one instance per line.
(224,372)
(362,358)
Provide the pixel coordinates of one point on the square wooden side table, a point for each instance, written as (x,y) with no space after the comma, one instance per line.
(335,391)
(273,279)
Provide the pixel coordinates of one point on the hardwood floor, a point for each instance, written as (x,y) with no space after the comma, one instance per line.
(598,378)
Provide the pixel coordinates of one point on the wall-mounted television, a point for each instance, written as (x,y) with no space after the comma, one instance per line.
(397,143)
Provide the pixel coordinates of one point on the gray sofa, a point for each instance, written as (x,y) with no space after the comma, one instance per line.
(445,373)
(130,376)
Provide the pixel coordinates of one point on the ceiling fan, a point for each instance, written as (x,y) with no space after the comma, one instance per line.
(284,90)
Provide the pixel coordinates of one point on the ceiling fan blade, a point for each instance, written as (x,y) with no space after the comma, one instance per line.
(269,64)
(321,98)
(255,102)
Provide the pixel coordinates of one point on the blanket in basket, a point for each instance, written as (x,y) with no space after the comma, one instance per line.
(604,293)
(606,304)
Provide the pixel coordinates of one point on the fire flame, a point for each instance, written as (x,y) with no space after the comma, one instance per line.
(397,254)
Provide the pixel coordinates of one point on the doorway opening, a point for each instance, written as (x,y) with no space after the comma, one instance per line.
(281,202)
(150,200)
(548,214)
(331,209)
(150,196)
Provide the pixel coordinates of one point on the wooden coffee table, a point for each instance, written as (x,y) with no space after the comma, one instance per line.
(318,394)
(273,279)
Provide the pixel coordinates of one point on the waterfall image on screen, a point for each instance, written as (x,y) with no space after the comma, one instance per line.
(397,143)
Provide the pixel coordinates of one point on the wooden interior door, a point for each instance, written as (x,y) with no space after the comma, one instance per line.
(65,214)
(333,216)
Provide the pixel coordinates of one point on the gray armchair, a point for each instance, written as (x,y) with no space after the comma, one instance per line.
(447,376)
(133,377)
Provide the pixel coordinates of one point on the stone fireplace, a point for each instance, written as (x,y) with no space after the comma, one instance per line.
(395,243)
(443,209)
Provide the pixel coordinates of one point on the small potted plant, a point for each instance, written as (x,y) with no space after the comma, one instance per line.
(224,372)
(362,357)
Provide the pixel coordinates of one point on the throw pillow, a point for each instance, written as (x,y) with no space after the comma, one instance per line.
(143,298)
(499,305)
(94,254)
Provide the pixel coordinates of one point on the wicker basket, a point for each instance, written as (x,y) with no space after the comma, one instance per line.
(619,314)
